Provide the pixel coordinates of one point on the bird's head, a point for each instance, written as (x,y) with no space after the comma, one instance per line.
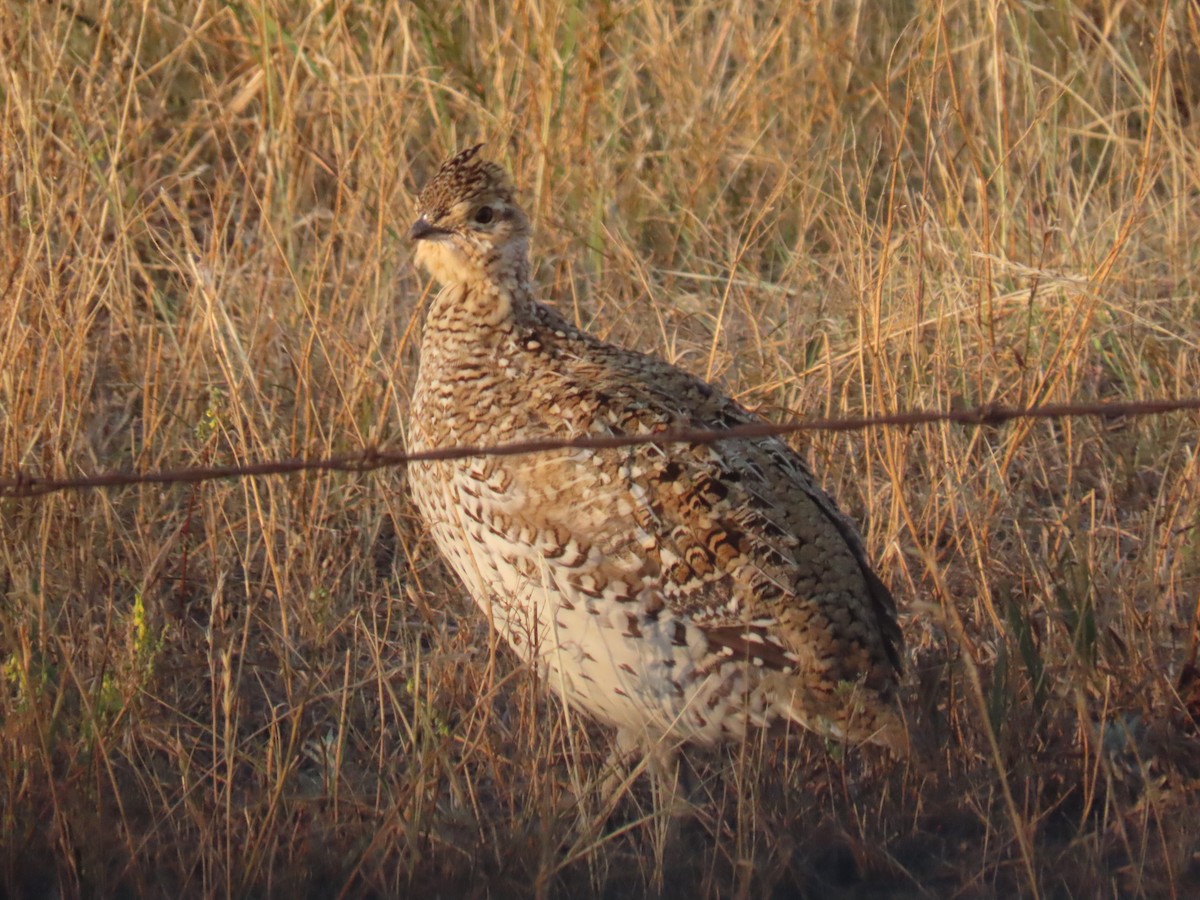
(469,226)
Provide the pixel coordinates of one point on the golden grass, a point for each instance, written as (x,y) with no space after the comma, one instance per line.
(262,686)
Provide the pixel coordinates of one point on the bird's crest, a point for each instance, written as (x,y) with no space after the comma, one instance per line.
(463,177)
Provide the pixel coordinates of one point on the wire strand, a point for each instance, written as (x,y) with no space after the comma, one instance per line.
(371,458)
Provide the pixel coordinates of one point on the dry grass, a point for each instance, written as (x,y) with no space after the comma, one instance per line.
(262,686)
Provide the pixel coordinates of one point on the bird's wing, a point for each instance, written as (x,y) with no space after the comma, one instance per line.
(736,535)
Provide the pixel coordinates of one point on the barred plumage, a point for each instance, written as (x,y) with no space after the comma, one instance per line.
(685,593)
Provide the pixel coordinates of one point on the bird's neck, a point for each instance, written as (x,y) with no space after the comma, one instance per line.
(483,304)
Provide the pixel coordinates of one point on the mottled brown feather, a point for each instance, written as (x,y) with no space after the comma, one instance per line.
(690,591)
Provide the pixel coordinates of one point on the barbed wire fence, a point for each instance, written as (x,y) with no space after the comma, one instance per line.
(23,485)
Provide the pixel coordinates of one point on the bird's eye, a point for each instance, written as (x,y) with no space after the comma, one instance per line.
(483,215)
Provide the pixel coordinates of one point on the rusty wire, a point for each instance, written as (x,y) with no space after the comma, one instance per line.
(22,485)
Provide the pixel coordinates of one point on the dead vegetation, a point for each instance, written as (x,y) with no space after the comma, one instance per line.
(271,686)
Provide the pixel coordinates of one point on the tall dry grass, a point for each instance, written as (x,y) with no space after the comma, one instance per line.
(261,686)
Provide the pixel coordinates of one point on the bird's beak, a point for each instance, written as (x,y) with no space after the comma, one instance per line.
(421,229)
